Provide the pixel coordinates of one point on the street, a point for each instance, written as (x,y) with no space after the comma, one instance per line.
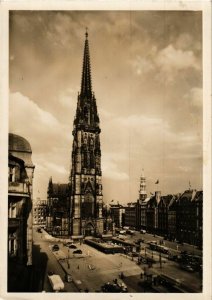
(92,269)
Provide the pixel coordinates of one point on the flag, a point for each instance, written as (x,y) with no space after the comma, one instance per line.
(157,181)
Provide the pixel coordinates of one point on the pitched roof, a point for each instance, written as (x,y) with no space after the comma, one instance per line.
(60,189)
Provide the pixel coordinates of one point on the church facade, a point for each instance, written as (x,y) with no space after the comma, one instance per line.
(86,200)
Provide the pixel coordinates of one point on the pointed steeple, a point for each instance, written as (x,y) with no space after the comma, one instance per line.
(86,88)
(86,114)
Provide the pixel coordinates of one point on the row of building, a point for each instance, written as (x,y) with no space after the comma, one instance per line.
(176,217)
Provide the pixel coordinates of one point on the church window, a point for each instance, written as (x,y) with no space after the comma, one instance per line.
(87,209)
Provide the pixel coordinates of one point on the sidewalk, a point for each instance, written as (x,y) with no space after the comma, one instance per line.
(49,237)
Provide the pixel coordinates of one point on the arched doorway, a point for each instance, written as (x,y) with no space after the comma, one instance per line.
(89,229)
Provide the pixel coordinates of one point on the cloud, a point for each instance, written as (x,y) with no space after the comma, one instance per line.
(194,96)
(142,65)
(67,98)
(170,58)
(111,169)
(40,127)
(165,64)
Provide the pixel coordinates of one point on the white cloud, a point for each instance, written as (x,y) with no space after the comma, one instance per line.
(68,98)
(40,127)
(142,65)
(170,58)
(111,169)
(167,62)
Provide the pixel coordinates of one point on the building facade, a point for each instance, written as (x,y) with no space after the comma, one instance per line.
(130,215)
(39,212)
(117,212)
(86,199)
(143,209)
(20,182)
(189,217)
(163,208)
(57,210)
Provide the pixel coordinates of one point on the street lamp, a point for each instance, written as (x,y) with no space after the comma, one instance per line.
(68,259)
(160,260)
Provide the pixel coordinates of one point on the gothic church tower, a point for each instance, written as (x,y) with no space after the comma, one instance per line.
(86,175)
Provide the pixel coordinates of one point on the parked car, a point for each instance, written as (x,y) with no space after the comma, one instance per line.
(68,244)
(187,268)
(73,246)
(142,231)
(55,248)
(131,232)
(116,287)
(78,251)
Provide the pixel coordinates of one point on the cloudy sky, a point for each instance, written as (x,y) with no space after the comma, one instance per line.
(147,78)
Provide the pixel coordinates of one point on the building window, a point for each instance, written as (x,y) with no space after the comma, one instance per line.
(12,244)
(12,210)
(11,174)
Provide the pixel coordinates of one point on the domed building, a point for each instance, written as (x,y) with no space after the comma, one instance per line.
(20,182)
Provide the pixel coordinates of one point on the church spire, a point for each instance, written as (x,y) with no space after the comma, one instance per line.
(86,88)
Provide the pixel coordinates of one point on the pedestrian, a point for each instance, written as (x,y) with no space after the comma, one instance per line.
(78,267)
(177,247)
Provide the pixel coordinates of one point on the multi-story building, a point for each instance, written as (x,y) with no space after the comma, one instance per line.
(130,215)
(109,225)
(117,212)
(20,181)
(189,217)
(86,176)
(172,219)
(57,211)
(39,212)
(163,208)
(143,209)
(152,213)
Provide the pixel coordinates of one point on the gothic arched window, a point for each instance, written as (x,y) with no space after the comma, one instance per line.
(87,209)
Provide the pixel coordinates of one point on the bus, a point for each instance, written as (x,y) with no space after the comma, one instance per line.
(159,248)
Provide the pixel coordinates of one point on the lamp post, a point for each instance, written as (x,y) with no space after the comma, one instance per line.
(68,259)
(160,260)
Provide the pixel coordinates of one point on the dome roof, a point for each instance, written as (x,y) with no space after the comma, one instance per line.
(18,143)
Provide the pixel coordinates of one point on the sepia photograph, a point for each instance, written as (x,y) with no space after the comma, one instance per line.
(105,151)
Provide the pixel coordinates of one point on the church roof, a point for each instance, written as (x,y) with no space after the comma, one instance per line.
(60,189)
(18,143)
